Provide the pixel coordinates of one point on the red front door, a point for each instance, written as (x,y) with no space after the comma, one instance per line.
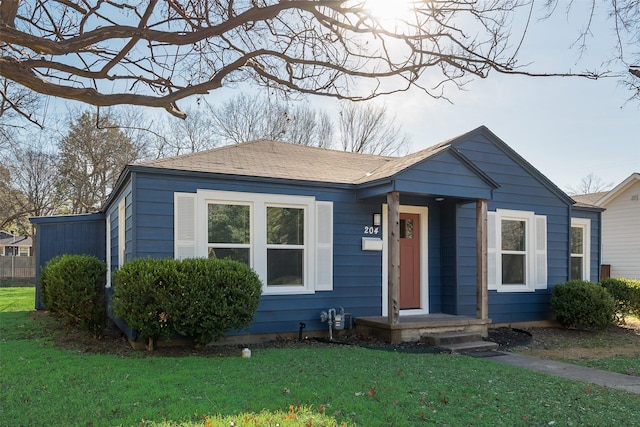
(409,261)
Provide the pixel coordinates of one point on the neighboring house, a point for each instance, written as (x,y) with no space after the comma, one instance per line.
(460,234)
(620,227)
(11,245)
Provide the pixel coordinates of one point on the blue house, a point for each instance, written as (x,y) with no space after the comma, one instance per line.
(457,236)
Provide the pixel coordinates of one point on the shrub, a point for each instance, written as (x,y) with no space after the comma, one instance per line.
(579,303)
(626,293)
(73,287)
(197,298)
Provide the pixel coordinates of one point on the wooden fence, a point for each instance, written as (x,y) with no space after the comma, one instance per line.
(17,267)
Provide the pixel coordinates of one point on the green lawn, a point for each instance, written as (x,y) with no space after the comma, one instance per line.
(17,299)
(43,384)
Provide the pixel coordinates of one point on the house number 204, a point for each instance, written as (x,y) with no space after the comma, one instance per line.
(371,230)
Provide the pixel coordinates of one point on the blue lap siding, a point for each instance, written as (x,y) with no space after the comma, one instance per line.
(357,274)
(67,235)
(521,188)
(448,181)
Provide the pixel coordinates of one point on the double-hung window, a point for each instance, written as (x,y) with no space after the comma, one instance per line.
(517,251)
(580,244)
(285,246)
(514,251)
(287,240)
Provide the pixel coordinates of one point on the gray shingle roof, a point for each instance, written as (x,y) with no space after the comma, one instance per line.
(263,158)
(16,241)
(401,163)
(588,200)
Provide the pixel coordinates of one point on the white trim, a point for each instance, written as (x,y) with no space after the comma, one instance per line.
(535,252)
(613,193)
(423,211)
(585,224)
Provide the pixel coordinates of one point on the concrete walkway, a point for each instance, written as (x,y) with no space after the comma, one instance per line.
(573,372)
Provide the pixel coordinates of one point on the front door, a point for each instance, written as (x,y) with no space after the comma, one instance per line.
(409,261)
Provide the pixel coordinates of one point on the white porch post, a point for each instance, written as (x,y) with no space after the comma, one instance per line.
(482,294)
(393,234)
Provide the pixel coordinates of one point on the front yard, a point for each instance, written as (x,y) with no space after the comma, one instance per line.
(616,348)
(47,380)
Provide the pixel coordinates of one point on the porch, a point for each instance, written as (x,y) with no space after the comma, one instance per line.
(413,328)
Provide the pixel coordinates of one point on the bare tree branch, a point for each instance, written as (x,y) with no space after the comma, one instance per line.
(162,51)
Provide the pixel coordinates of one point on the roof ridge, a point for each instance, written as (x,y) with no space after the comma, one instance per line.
(257,141)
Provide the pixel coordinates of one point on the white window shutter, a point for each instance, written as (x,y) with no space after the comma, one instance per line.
(184,225)
(541,252)
(324,246)
(108,284)
(122,232)
(492,251)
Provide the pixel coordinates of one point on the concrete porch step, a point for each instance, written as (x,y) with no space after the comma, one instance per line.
(445,338)
(466,347)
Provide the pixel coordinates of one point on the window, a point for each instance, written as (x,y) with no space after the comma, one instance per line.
(406,228)
(285,246)
(580,243)
(514,252)
(517,254)
(228,232)
(287,240)
(23,251)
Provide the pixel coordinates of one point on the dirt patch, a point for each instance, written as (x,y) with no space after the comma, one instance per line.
(576,344)
(115,342)
(553,343)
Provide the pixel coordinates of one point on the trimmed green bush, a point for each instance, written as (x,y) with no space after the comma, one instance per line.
(626,293)
(73,287)
(197,298)
(578,303)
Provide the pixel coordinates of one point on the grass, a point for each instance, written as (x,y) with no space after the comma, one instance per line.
(41,383)
(621,364)
(355,385)
(17,299)
(615,348)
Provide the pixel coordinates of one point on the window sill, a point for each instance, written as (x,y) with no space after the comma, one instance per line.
(287,291)
(514,288)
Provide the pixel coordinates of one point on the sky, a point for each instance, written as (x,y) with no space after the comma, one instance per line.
(567,128)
